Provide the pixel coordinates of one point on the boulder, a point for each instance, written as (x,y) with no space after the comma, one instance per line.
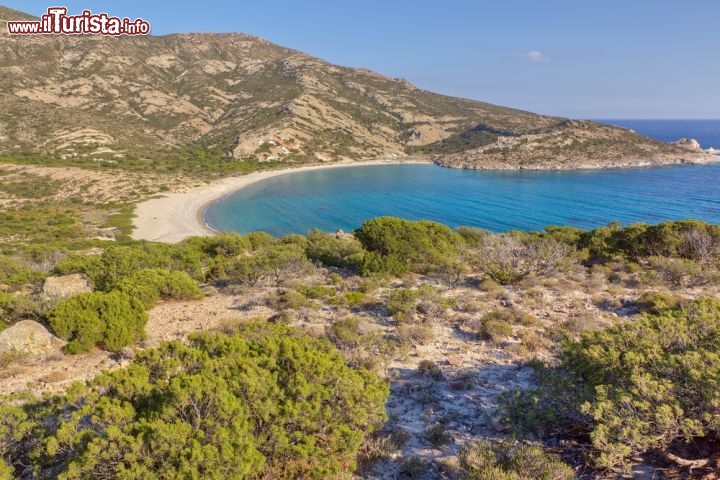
(29,339)
(56,288)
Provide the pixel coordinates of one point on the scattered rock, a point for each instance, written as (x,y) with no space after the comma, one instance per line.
(494,422)
(29,339)
(65,286)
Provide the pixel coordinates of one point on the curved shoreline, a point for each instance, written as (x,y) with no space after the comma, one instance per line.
(178,215)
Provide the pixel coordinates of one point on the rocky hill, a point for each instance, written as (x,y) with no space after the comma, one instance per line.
(238,96)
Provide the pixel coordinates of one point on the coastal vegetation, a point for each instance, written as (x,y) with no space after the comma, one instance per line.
(612,390)
(268,402)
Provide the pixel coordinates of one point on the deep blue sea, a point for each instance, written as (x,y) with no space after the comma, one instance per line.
(499,201)
(706,132)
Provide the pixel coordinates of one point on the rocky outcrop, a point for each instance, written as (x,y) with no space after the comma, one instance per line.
(66,286)
(576,145)
(29,340)
(689,144)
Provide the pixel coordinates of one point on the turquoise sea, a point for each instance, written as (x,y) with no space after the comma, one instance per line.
(499,201)
(343,198)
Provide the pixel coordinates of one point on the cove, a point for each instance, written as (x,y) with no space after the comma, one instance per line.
(342,198)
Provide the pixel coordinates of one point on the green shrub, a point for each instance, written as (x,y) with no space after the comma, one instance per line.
(402,245)
(569,235)
(658,303)
(14,307)
(90,265)
(112,320)
(120,261)
(316,291)
(494,327)
(401,303)
(373,263)
(689,239)
(354,299)
(678,272)
(345,332)
(505,460)
(260,239)
(472,235)
(14,272)
(512,316)
(268,403)
(637,387)
(333,251)
(275,263)
(152,284)
(223,244)
(288,300)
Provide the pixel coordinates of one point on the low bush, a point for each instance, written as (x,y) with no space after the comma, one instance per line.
(401,303)
(221,245)
(472,235)
(415,333)
(487,460)
(288,300)
(396,246)
(689,239)
(120,261)
(332,250)
(438,435)
(15,273)
(495,331)
(273,263)
(512,316)
(650,385)
(657,303)
(354,299)
(345,332)
(112,320)
(267,403)
(152,284)
(428,368)
(14,307)
(510,258)
(316,291)
(532,342)
(678,272)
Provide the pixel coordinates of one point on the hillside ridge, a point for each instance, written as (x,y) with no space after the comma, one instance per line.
(240,97)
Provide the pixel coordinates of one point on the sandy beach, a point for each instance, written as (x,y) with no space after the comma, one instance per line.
(178,215)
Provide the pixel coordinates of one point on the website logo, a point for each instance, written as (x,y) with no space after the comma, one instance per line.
(57,22)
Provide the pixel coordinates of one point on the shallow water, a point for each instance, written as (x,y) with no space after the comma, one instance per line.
(499,201)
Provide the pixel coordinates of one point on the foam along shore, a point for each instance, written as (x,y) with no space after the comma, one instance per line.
(178,215)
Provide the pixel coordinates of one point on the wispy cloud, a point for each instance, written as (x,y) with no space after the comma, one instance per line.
(537,56)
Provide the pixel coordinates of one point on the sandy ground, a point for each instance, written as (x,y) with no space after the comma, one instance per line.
(178,215)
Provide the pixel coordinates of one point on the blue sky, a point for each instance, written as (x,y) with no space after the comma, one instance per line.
(577,58)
